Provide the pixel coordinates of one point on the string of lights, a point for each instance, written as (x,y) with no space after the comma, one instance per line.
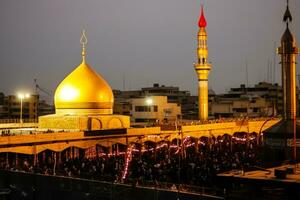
(128,160)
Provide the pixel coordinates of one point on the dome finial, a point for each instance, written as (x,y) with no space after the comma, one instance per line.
(83,41)
(287,15)
(202,20)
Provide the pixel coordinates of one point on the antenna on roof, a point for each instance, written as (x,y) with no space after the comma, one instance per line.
(274,64)
(247,80)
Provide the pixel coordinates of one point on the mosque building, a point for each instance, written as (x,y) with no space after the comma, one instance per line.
(83,101)
(84,104)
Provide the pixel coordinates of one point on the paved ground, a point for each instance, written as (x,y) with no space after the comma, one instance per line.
(267,175)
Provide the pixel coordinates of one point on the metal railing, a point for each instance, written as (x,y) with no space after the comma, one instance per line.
(14,121)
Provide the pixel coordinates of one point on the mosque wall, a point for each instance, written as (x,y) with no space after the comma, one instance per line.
(80,122)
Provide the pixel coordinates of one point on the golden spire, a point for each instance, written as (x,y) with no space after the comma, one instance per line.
(83,41)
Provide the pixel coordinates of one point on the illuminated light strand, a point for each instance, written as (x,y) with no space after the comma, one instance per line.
(111,154)
(162,146)
(189,145)
(186,139)
(135,150)
(128,160)
(252,138)
(157,148)
(153,136)
(239,139)
(178,150)
(102,154)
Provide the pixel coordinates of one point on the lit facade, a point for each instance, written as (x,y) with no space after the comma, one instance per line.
(262,100)
(188,103)
(11,107)
(243,106)
(154,109)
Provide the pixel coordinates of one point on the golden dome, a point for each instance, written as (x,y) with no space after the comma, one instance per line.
(83,91)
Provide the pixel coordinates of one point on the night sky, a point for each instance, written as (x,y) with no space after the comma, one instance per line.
(140,42)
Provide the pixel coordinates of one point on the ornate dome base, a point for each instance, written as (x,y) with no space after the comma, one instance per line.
(84,111)
(83,122)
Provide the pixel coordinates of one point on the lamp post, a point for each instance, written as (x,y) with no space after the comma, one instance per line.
(260,130)
(22,96)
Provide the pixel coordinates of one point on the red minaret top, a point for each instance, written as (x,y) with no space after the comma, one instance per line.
(202,20)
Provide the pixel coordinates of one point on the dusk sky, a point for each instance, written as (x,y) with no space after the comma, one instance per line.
(140,41)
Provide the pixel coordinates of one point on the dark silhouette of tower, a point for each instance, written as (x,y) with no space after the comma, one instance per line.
(288,52)
(282,137)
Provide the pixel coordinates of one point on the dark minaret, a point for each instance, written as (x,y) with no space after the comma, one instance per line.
(288,52)
(282,139)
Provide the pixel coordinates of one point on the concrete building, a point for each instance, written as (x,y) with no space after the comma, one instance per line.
(262,100)
(173,94)
(154,109)
(122,105)
(32,107)
(12,107)
(270,92)
(2,98)
(44,108)
(188,103)
(242,106)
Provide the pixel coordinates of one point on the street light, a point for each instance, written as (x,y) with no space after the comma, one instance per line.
(22,96)
(149,101)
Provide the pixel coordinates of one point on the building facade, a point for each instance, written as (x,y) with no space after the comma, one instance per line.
(12,107)
(188,103)
(32,107)
(154,109)
(262,100)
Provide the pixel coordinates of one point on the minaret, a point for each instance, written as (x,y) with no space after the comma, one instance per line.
(202,68)
(288,52)
(281,140)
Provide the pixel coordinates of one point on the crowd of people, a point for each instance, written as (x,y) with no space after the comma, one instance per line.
(191,161)
(194,166)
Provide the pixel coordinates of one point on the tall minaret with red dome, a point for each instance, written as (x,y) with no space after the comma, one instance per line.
(202,68)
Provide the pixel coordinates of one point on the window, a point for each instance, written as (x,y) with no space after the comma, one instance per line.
(146,108)
(142,109)
(145,120)
(240,110)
